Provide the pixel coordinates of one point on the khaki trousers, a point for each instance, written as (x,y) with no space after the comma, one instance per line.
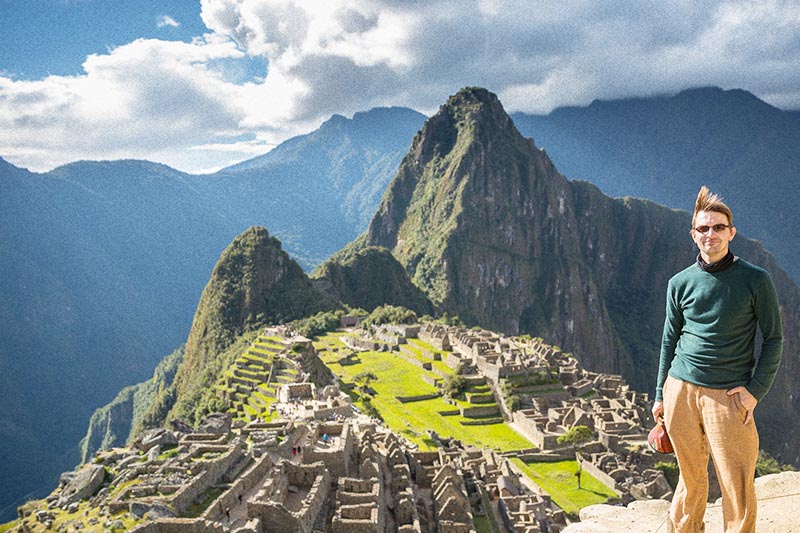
(702,421)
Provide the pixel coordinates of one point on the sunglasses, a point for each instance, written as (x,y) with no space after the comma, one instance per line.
(718,228)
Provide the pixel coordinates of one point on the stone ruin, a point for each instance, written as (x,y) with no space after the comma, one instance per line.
(323,468)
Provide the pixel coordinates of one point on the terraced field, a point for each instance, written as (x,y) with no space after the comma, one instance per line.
(252,382)
(399,379)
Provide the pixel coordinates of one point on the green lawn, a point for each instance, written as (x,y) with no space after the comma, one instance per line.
(398,377)
(558,479)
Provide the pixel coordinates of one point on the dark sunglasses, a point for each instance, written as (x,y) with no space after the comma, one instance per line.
(718,228)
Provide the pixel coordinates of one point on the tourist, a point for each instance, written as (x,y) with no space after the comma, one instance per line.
(709,381)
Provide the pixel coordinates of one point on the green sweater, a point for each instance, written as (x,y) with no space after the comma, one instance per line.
(710,329)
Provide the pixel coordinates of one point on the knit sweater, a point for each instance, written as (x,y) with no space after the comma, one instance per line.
(710,329)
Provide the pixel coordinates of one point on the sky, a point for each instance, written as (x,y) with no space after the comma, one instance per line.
(203,84)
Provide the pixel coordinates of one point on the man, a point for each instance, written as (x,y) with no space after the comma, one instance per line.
(709,381)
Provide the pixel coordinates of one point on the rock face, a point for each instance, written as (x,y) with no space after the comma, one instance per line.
(486,226)
(215,424)
(82,485)
(156,437)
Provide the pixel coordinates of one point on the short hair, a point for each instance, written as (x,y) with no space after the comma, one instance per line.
(708,201)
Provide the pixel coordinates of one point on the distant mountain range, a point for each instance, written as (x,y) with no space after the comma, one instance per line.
(103,262)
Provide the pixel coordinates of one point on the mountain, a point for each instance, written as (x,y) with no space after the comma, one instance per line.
(664,148)
(369,278)
(254,283)
(318,191)
(102,265)
(488,228)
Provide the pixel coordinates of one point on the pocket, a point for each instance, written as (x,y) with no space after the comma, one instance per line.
(741,410)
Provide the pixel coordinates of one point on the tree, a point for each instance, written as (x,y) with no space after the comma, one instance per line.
(363,379)
(576,436)
(454,385)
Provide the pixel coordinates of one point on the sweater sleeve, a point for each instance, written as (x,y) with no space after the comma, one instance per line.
(673,325)
(769,322)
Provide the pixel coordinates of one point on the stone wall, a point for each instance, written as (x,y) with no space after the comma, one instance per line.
(418,398)
(242,486)
(601,476)
(489,410)
(276,518)
(213,474)
(183,525)
(526,423)
(356,519)
(336,458)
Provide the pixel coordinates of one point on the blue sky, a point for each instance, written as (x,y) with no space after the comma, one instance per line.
(42,37)
(199,85)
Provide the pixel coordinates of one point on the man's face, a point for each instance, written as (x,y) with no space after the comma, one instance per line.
(713,244)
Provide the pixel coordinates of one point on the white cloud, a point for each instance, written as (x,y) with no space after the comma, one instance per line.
(179,103)
(166,20)
(148,99)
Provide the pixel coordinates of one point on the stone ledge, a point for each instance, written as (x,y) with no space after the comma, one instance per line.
(778,501)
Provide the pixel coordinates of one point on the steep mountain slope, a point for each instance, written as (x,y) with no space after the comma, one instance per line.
(318,191)
(253,284)
(111,424)
(665,148)
(488,228)
(354,158)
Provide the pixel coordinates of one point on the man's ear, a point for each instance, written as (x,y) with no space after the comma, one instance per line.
(733,233)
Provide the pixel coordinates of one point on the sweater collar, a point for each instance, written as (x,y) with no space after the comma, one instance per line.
(718,266)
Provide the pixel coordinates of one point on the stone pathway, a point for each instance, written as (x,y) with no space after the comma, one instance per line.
(778,501)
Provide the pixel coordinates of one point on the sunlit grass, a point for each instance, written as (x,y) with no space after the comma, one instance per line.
(398,377)
(558,479)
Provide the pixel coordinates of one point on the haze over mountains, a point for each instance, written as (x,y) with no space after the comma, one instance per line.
(106,260)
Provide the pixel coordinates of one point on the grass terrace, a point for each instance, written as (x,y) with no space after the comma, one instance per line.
(558,479)
(398,377)
(418,348)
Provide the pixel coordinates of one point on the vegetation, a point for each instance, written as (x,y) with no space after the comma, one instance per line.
(766,464)
(389,314)
(318,324)
(671,472)
(557,479)
(108,428)
(454,386)
(576,436)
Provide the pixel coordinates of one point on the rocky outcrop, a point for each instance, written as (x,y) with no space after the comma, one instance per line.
(156,437)
(81,484)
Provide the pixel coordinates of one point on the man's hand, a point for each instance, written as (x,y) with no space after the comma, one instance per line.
(658,409)
(748,401)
